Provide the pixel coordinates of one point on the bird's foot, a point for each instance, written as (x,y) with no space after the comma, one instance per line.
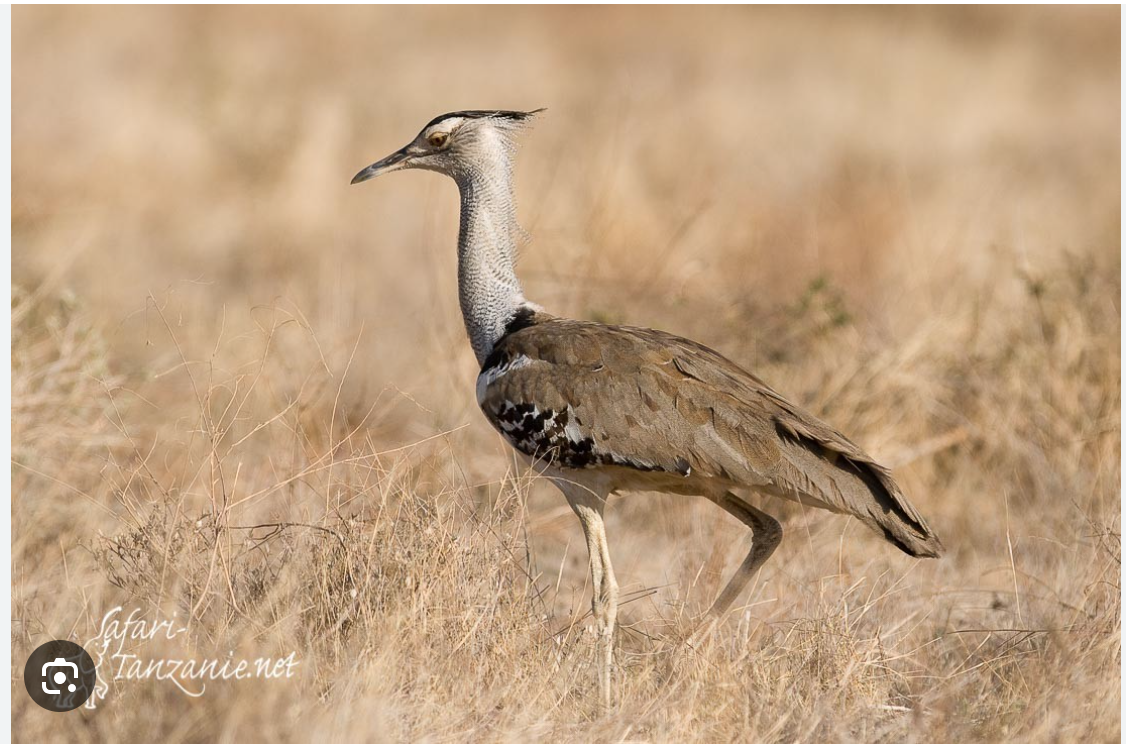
(684,656)
(703,634)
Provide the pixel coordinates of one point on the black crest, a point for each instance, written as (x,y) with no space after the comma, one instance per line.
(485,113)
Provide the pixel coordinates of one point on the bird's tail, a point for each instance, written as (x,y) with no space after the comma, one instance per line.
(892,515)
(824,469)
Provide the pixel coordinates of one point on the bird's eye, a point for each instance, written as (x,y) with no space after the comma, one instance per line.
(438,139)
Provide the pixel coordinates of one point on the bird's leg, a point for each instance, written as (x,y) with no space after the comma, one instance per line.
(767,535)
(609,617)
(589,507)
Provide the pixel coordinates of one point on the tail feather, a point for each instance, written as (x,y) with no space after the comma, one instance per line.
(821,467)
(894,515)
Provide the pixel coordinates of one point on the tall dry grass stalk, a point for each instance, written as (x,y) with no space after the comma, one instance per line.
(242,399)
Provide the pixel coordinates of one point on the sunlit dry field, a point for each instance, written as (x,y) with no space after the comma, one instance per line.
(243,399)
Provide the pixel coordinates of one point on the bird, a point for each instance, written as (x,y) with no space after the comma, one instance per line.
(601,409)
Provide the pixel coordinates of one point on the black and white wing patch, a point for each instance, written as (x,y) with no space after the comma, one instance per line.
(545,434)
(534,416)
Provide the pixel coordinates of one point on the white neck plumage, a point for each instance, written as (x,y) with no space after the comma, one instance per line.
(489,292)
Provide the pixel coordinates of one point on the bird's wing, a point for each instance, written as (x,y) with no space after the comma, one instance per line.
(579,395)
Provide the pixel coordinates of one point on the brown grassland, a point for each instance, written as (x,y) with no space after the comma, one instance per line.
(242,398)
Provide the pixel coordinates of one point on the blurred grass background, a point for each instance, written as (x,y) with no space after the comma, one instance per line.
(907,220)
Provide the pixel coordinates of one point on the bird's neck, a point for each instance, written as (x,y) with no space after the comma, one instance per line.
(489,292)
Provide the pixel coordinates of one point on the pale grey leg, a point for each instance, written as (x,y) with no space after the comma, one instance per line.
(589,505)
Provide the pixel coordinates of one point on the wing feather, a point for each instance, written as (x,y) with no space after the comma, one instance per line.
(652,401)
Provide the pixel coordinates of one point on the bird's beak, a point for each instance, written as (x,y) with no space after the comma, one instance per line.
(398,160)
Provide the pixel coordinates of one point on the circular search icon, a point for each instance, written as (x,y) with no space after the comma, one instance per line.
(59,676)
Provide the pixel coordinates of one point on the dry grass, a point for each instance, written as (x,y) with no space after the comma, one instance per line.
(241,394)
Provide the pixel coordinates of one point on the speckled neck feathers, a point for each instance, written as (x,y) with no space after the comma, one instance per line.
(488,289)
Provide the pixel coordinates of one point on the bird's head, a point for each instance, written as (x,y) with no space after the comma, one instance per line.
(456,144)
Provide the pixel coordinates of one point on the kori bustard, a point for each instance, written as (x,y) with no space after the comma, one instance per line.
(600,409)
